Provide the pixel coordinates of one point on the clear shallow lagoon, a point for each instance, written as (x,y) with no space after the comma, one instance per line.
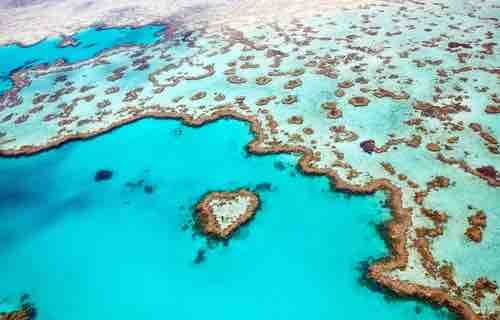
(90,43)
(84,249)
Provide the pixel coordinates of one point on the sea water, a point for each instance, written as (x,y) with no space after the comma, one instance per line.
(89,43)
(84,249)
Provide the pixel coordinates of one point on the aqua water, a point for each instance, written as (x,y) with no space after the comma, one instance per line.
(84,249)
(90,42)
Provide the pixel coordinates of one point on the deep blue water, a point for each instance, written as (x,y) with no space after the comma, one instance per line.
(86,250)
(90,43)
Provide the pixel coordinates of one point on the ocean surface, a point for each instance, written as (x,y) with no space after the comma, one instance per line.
(84,249)
(125,248)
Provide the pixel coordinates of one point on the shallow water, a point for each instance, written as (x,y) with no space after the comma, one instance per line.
(90,43)
(82,248)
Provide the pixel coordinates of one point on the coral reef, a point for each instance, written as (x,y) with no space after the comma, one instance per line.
(371,105)
(219,214)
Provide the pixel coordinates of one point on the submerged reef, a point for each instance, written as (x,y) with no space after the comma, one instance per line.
(219,214)
(26,312)
(103,175)
(400,96)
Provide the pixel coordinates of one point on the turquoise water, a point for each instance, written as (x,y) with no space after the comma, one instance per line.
(82,248)
(90,43)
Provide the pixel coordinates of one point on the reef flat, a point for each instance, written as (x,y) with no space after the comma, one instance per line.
(220,213)
(400,96)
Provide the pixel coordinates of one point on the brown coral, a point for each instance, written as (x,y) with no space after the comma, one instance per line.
(359,101)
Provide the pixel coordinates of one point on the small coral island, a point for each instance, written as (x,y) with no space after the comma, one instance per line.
(219,214)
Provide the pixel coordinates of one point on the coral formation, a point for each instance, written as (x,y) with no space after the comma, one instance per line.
(219,214)
(423,126)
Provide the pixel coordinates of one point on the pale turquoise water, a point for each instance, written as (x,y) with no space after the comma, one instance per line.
(90,43)
(87,250)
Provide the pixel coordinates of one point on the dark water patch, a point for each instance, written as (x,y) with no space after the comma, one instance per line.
(27,217)
(262,187)
(25,297)
(15,182)
(279,165)
(177,132)
(12,198)
(242,233)
(7,239)
(386,204)
(197,229)
(76,203)
(212,243)
(29,309)
(200,256)
(135,184)
(418,309)
(103,175)
(347,195)
(148,189)
(31,62)
(381,228)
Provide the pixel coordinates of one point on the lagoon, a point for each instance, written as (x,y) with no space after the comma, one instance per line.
(89,43)
(84,249)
